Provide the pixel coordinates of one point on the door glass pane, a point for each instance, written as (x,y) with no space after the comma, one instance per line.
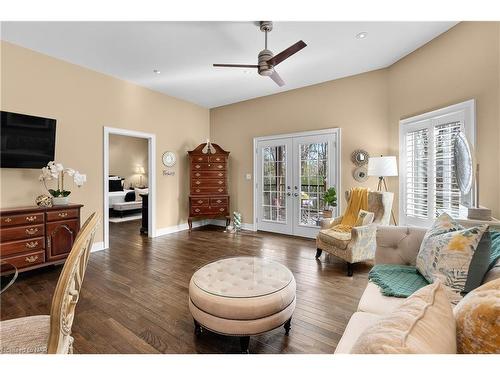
(313,178)
(273,183)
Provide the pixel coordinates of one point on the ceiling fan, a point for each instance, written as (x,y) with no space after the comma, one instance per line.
(267,61)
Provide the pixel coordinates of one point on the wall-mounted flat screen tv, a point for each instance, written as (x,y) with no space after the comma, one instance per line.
(26,141)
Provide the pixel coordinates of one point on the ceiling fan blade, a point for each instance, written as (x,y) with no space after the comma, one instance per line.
(276,78)
(235,66)
(283,55)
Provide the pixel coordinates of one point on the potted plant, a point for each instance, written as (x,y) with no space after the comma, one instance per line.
(56,171)
(330,199)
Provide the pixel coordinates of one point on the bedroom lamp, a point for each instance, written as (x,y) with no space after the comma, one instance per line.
(140,171)
(382,167)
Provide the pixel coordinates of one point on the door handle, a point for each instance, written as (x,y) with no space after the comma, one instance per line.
(295,194)
(288,194)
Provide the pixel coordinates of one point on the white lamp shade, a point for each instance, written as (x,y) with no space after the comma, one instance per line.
(140,169)
(382,166)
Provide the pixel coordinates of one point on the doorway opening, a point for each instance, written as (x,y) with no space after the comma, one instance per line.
(129,183)
(292,173)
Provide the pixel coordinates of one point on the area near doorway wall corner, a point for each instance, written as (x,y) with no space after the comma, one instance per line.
(291,172)
(151,178)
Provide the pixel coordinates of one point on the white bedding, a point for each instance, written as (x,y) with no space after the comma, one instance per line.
(117,197)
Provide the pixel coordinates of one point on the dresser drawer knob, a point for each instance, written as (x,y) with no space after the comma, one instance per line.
(221,182)
(197,182)
(219,201)
(200,202)
(219,166)
(31,231)
(62,214)
(197,166)
(197,190)
(197,210)
(31,259)
(220,190)
(200,159)
(221,174)
(218,159)
(32,244)
(221,209)
(8,220)
(197,174)
(30,218)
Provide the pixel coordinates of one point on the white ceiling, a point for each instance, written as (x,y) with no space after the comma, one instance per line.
(185,51)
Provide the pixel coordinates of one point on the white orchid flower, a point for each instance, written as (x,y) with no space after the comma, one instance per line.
(59,167)
(69,171)
(79,179)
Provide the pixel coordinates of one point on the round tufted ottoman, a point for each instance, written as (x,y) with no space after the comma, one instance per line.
(242,296)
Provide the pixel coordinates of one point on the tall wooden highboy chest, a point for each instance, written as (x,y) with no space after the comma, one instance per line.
(209,198)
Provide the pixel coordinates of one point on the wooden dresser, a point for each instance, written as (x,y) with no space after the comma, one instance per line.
(34,237)
(208,197)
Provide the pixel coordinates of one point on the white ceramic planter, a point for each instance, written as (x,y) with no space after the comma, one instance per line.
(60,201)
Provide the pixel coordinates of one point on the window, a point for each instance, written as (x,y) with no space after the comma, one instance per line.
(428,184)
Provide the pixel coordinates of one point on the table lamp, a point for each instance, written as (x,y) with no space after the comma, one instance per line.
(140,171)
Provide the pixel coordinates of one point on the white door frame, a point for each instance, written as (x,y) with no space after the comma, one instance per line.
(151,178)
(337,175)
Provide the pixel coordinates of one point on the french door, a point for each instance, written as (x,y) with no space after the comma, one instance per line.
(292,174)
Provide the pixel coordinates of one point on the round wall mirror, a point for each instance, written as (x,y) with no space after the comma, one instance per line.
(360,157)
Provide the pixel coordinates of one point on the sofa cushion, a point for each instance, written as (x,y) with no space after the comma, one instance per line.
(423,324)
(478,320)
(28,335)
(359,322)
(335,238)
(372,301)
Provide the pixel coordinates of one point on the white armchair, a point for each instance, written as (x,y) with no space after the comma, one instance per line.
(358,245)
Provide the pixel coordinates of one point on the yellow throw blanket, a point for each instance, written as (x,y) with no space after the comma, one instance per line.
(357,201)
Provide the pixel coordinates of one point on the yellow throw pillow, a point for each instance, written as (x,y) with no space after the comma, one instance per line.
(478,320)
(423,324)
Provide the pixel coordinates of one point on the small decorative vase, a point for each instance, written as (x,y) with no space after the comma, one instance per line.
(237,221)
(60,201)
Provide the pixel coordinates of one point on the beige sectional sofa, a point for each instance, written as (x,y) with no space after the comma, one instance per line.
(395,245)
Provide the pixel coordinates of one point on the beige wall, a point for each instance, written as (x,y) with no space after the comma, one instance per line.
(125,155)
(83,102)
(358,105)
(459,65)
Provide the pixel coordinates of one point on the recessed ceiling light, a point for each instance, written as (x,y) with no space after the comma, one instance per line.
(362,35)
(156,71)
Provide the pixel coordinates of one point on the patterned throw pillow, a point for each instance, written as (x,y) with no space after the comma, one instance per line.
(364,218)
(446,252)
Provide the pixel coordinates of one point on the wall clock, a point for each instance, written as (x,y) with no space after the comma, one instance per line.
(168,158)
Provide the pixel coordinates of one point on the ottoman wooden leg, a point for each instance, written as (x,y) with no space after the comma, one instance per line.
(287,326)
(197,328)
(349,269)
(244,342)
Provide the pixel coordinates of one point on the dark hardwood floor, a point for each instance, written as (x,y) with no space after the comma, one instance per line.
(134,296)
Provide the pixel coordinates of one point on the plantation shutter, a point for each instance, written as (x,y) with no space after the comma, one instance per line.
(428,185)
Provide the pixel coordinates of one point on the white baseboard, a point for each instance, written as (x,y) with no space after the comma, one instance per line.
(222,223)
(178,228)
(97,246)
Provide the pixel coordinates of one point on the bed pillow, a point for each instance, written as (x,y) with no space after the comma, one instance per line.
(130,196)
(138,193)
(447,252)
(115,185)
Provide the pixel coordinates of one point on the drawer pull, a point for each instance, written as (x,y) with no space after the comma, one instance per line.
(200,159)
(197,210)
(197,182)
(219,166)
(221,182)
(32,244)
(62,214)
(200,202)
(31,259)
(221,174)
(217,159)
(8,220)
(197,174)
(31,230)
(220,190)
(219,201)
(197,190)
(30,218)
(221,209)
(197,166)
